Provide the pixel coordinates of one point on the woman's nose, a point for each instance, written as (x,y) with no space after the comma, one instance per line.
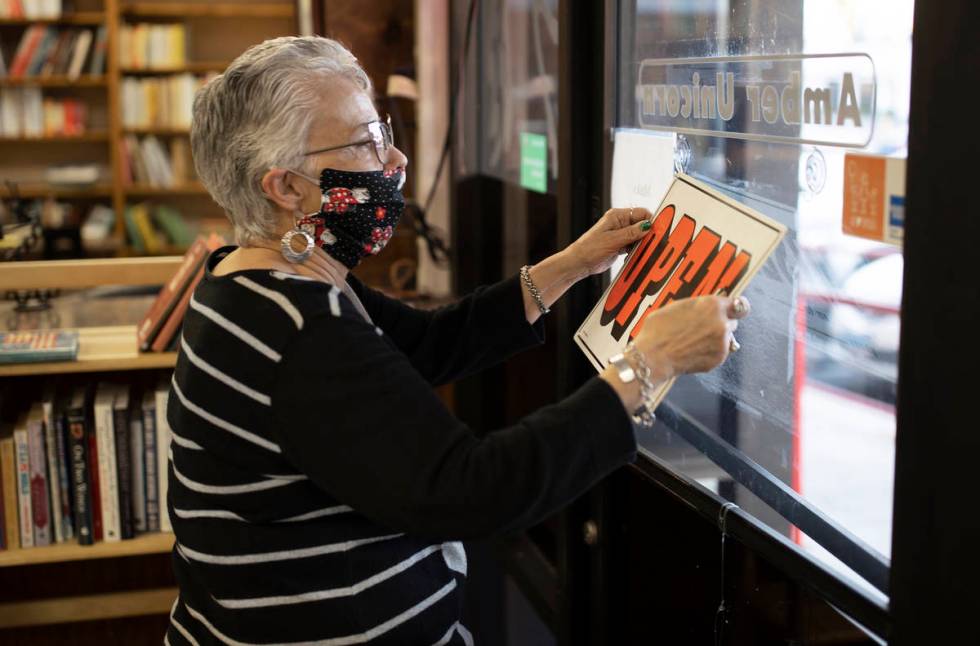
(396,159)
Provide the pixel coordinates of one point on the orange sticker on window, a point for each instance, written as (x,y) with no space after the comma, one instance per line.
(864,193)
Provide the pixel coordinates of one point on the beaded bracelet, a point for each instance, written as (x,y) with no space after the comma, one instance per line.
(531,287)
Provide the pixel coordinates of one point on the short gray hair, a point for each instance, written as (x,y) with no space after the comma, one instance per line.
(257,115)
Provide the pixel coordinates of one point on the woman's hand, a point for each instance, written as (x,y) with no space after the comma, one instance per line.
(689,335)
(612,235)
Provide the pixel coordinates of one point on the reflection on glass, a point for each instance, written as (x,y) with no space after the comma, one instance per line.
(811,395)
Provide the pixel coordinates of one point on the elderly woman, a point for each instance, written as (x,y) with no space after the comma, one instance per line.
(318,486)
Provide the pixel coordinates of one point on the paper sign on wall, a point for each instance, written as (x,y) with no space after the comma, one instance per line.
(874,197)
(701,243)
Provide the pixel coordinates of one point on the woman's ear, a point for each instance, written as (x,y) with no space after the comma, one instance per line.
(279,186)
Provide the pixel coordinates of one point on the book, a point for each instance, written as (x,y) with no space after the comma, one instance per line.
(95,485)
(700,243)
(79,53)
(169,332)
(173,224)
(38,345)
(124,463)
(97,63)
(149,412)
(141,217)
(106,464)
(161,395)
(63,457)
(49,38)
(8,478)
(170,294)
(29,43)
(51,447)
(40,507)
(170,329)
(22,459)
(78,421)
(137,459)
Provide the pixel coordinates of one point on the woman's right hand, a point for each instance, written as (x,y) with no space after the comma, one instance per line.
(688,335)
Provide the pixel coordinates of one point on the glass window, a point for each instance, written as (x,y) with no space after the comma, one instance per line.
(811,395)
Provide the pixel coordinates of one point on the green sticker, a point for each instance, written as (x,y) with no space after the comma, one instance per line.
(534,162)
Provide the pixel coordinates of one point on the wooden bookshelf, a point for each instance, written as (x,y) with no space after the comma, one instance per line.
(84,80)
(209,10)
(159,132)
(80,18)
(152,543)
(85,137)
(141,190)
(143,361)
(48,190)
(200,67)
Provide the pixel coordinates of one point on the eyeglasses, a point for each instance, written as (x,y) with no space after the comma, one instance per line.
(382,137)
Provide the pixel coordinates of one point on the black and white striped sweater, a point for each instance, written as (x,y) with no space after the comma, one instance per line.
(318,486)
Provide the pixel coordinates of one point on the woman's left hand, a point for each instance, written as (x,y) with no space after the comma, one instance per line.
(612,235)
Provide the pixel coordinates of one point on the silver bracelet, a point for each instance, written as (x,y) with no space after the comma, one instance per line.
(643,416)
(531,287)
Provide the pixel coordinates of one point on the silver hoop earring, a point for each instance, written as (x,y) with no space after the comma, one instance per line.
(286,245)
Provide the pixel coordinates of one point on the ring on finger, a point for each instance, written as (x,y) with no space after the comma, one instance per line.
(738,306)
(733,345)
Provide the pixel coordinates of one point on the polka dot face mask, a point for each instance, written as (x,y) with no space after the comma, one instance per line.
(359,211)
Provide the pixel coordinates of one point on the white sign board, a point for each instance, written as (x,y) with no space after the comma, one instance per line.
(701,243)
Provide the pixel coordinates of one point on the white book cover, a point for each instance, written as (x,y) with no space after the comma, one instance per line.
(136,456)
(163,452)
(11,106)
(82,45)
(108,470)
(51,444)
(33,112)
(22,454)
(701,243)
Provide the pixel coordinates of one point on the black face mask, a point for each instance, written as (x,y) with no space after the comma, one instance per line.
(358,214)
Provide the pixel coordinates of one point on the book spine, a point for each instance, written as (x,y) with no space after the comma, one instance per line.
(169,330)
(138,457)
(39,484)
(124,471)
(163,457)
(108,483)
(63,456)
(22,452)
(150,452)
(95,486)
(8,471)
(51,445)
(171,292)
(81,481)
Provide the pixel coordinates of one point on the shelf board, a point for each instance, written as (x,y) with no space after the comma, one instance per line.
(75,18)
(143,361)
(84,137)
(209,10)
(53,81)
(196,67)
(162,132)
(88,272)
(65,610)
(46,190)
(152,543)
(142,190)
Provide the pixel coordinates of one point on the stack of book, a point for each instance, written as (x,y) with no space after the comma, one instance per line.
(152,46)
(152,228)
(24,112)
(87,461)
(30,9)
(159,102)
(145,161)
(160,328)
(46,50)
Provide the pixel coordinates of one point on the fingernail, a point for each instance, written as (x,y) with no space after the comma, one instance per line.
(645,225)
